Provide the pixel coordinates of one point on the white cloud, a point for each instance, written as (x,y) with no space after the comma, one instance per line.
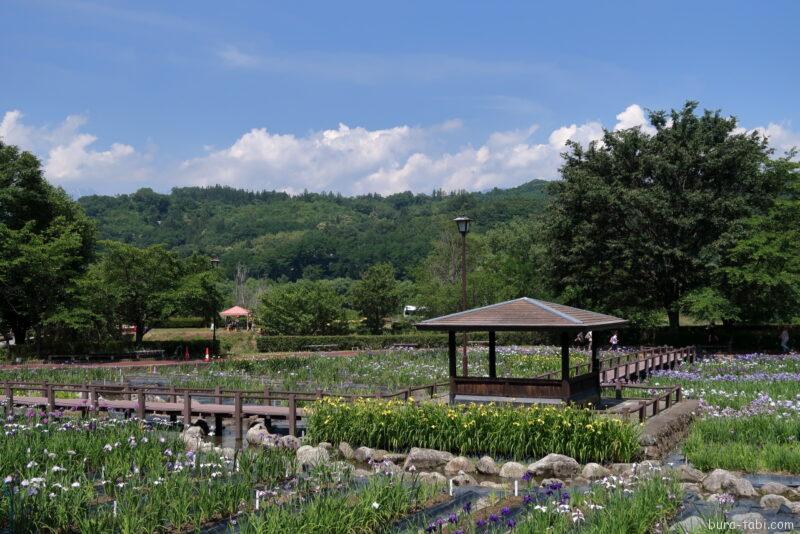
(351,160)
(69,157)
(632,117)
(234,57)
(781,138)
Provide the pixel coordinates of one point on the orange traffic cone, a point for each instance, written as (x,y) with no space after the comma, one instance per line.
(208,358)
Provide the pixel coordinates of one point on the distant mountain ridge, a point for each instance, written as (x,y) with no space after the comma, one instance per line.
(313,234)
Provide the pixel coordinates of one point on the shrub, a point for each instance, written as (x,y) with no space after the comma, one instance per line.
(501,430)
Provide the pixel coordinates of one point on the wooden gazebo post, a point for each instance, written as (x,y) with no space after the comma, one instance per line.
(565,363)
(492,354)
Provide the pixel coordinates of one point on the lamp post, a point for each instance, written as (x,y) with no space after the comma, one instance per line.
(463,228)
(214,264)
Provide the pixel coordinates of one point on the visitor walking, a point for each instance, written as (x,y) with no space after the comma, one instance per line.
(785,341)
(579,340)
(614,341)
(588,338)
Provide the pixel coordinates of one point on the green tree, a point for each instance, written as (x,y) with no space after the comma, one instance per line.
(636,217)
(305,307)
(758,261)
(47,243)
(142,282)
(376,295)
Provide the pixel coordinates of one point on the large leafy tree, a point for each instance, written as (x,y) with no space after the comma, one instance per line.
(376,295)
(636,217)
(305,307)
(47,243)
(758,263)
(141,281)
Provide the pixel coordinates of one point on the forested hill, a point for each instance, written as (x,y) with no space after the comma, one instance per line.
(276,235)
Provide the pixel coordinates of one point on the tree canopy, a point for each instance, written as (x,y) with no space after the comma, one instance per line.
(632,226)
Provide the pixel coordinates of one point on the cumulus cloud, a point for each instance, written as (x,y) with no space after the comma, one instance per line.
(69,155)
(633,117)
(351,160)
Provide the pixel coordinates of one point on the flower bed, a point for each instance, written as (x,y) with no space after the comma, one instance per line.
(750,406)
(505,431)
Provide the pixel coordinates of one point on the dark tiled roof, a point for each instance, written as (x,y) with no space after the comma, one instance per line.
(523,314)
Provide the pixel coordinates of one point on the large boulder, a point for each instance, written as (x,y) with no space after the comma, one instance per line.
(487,466)
(513,470)
(464,480)
(776,488)
(290,442)
(257,435)
(555,465)
(426,459)
(310,456)
(193,438)
(593,471)
(687,473)
(459,464)
(750,523)
(773,502)
(432,477)
(362,454)
(622,469)
(722,481)
(346,450)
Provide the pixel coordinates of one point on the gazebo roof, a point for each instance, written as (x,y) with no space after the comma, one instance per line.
(523,314)
(236,311)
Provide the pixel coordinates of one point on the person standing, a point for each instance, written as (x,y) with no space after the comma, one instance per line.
(588,338)
(785,341)
(614,341)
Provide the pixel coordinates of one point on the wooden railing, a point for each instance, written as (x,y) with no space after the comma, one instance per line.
(646,360)
(652,404)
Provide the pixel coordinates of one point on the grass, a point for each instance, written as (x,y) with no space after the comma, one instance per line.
(368,509)
(122,476)
(499,430)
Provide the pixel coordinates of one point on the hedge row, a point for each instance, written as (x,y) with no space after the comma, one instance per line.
(350,342)
(741,337)
(172,349)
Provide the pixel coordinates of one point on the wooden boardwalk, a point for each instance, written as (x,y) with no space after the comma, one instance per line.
(237,405)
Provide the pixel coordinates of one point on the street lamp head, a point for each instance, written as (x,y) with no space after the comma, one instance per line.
(463,224)
(214,261)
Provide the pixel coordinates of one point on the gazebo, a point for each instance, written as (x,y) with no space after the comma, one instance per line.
(525,314)
(237,312)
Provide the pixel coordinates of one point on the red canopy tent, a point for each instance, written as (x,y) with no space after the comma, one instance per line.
(237,312)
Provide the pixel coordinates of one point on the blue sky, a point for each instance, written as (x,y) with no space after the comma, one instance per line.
(114,95)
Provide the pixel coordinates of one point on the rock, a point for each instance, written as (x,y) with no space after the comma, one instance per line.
(432,478)
(257,435)
(750,523)
(387,467)
(690,524)
(362,454)
(361,473)
(290,442)
(458,465)
(513,470)
(193,437)
(722,481)
(622,470)
(687,473)
(593,471)
(775,488)
(555,483)
(493,485)
(203,425)
(794,507)
(308,455)
(325,445)
(464,480)
(378,455)
(426,459)
(487,466)
(396,457)
(691,487)
(579,481)
(346,450)
(555,465)
(773,502)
